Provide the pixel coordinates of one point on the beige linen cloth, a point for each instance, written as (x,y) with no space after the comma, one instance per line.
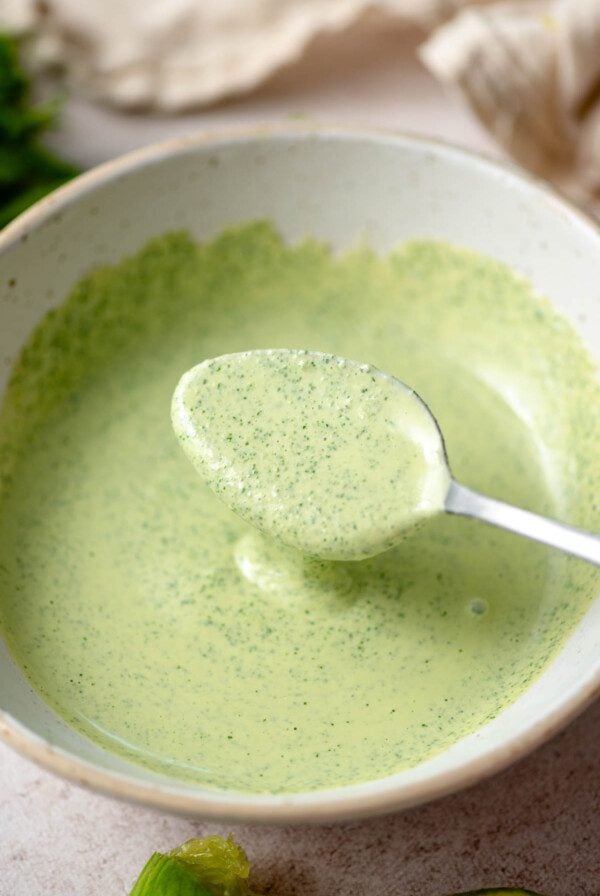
(529,69)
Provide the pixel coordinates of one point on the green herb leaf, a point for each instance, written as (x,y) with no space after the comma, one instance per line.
(27,169)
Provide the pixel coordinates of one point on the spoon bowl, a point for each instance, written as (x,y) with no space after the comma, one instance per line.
(335,458)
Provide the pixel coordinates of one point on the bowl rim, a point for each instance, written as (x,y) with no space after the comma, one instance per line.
(325,806)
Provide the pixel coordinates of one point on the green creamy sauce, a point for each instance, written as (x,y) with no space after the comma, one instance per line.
(333,458)
(162,626)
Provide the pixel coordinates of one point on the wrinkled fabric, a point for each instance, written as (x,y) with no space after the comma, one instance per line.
(183,53)
(531,72)
(529,69)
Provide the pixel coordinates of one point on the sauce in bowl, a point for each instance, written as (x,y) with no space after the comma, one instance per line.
(160,625)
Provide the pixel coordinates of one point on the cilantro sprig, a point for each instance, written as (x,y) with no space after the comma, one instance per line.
(28,170)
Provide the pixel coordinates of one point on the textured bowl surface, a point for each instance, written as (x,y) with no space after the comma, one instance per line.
(339,186)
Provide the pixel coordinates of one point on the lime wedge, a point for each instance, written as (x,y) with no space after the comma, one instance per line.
(206,866)
(220,865)
(164,876)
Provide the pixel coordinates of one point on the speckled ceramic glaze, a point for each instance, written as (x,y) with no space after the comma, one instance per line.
(339,187)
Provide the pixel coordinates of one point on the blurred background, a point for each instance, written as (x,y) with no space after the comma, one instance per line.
(82,81)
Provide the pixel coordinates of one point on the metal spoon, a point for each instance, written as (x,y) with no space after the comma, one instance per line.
(466,502)
(206,426)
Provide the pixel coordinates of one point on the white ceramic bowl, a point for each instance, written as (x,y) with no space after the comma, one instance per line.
(336,185)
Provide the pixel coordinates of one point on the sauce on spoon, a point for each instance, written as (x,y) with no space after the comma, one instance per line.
(324,454)
(332,457)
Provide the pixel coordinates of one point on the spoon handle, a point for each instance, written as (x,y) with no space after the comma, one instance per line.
(464,501)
